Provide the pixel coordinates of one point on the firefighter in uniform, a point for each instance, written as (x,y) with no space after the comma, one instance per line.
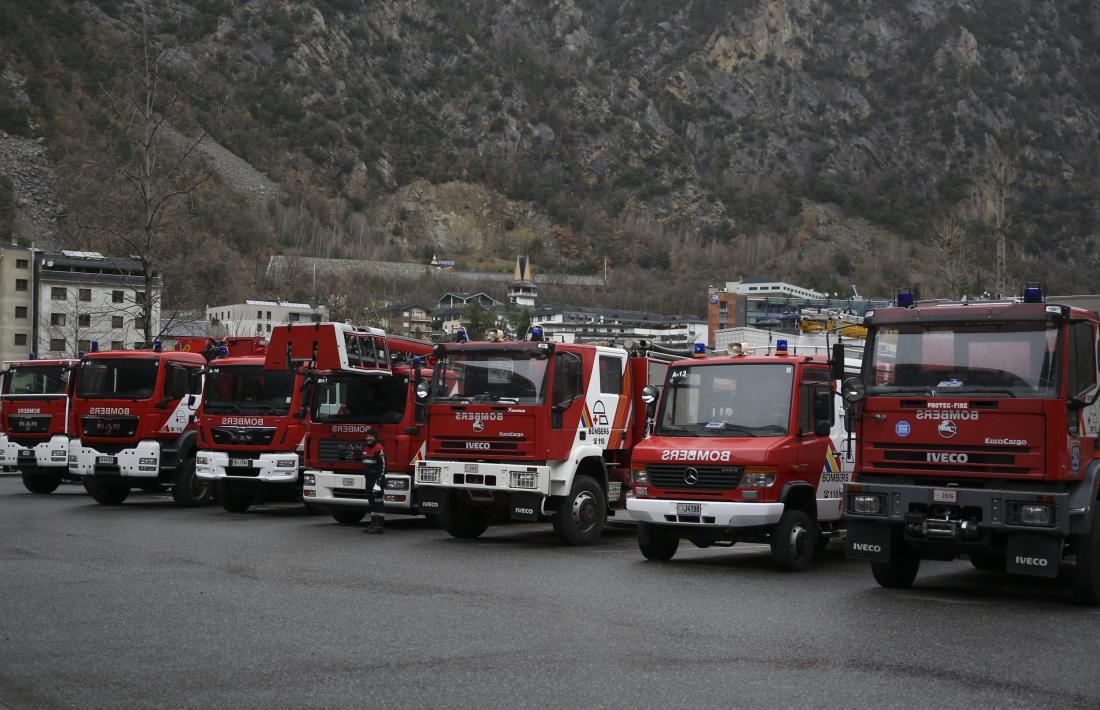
(374,471)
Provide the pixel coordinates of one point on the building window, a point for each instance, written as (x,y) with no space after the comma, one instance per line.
(293,317)
(259,315)
(84,345)
(20,311)
(116,345)
(84,321)
(139,323)
(259,327)
(20,338)
(116,296)
(269,315)
(58,293)
(20,284)
(85,294)
(116,322)
(268,327)
(316,318)
(22,264)
(57,319)
(57,344)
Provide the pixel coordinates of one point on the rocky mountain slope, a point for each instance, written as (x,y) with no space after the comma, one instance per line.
(822,141)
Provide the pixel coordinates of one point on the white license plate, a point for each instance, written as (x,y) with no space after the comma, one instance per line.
(105,460)
(347,482)
(944,495)
(26,454)
(471,468)
(689,508)
(240,463)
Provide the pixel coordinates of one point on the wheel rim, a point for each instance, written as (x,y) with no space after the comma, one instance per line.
(198,486)
(799,541)
(584,511)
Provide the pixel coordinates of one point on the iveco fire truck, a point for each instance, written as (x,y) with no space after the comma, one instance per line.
(360,378)
(34,422)
(532,430)
(133,419)
(251,429)
(979,427)
(746,448)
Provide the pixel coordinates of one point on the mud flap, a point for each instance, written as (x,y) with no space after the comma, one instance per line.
(869,541)
(1034,555)
(525,506)
(431,499)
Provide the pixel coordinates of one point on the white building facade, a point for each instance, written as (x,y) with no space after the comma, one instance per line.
(256,317)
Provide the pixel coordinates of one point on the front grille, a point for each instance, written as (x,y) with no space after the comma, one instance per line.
(109,427)
(339,450)
(242,436)
(111,449)
(356,493)
(712,478)
(1009,460)
(242,471)
(29,424)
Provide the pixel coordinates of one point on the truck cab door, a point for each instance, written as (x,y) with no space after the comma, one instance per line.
(818,460)
(568,389)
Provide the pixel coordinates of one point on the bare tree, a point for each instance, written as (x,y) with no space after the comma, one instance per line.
(148,171)
(950,241)
(990,208)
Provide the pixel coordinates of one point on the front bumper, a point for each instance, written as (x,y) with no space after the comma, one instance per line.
(348,490)
(498,477)
(53,453)
(717,514)
(141,461)
(265,468)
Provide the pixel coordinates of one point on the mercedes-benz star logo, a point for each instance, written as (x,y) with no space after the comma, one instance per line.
(948,429)
(691,476)
(479,425)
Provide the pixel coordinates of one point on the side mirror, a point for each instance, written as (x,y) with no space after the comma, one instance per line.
(836,363)
(823,405)
(853,390)
(650,393)
(192,401)
(423,389)
(822,427)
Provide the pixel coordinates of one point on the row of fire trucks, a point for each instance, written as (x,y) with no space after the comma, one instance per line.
(963,429)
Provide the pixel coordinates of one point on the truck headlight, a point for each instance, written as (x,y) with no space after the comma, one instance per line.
(428,474)
(397,484)
(202,461)
(309,479)
(523,479)
(758,477)
(1038,514)
(151,461)
(866,504)
(638,475)
(286,463)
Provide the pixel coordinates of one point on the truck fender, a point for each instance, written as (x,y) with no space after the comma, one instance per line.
(790,488)
(561,476)
(186,444)
(1082,499)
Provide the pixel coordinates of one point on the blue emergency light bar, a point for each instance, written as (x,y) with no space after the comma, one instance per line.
(906,299)
(536,334)
(157,346)
(1033,293)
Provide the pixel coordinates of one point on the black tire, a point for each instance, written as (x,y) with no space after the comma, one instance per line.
(898,573)
(464,522)
(107,492)
(188,490)
(987,563)
(580,516)
(657,542)
(233,498)
(41,483)
(794,541)
(348,516)
(1085,579)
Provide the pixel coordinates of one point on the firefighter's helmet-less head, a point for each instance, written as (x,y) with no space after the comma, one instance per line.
(370,433)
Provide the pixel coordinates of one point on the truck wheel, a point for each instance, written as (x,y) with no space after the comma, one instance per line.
(348,517)
(107,492)
(464,522)
(898,573)
(657,542)
(232,498)
(987,563)
(188,490)
(41,483)
(1085,580)
(794,541)
(580,516)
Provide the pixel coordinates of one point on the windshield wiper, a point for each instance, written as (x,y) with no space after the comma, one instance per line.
(744,429)
(675,431)
(887,390)
(262,407)
(215,407)
(977,390)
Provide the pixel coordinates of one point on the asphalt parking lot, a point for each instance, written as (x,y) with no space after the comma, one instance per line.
(146,605)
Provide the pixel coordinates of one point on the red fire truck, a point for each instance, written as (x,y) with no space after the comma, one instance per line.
(133,423)
(360,378)
(34,422)
(978,435)
(746,448)
(251,427)
(532,431)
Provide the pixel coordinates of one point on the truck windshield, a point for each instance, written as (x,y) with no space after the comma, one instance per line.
(360,398)
(124,378)
(987,359)
(478,376)
(35,379)
(250,389)
(727,400)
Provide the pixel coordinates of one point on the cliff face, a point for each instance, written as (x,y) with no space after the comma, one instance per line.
(824,141)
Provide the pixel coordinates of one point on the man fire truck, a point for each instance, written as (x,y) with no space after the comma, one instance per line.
(34,422)
(251,428)
(134,425)
(978,433)
(361,378)
(532,430)
(746,448)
